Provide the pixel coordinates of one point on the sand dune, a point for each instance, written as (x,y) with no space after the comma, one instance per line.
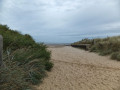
(76,69)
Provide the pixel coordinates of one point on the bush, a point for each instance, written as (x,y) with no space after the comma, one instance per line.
(105,52)
(12,77)
(48,66)
(93,49)
(114,55)
(118,57)
(26,61)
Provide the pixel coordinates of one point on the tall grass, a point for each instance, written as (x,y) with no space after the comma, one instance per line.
(25,61)
(105,46)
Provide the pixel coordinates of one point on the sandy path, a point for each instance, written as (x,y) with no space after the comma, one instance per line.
(76,69)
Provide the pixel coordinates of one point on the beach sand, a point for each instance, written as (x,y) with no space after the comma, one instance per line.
(76,69)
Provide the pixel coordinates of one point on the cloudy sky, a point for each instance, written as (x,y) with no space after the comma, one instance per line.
(62,21)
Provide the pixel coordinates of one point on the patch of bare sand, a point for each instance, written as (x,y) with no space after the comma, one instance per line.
(76,69)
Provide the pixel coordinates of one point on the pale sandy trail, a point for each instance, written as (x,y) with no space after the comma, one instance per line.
(76,69)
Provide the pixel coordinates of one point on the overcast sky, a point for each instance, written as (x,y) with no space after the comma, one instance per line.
(62,21)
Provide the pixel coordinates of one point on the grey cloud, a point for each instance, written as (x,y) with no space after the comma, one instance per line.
(1,5)
(61,20)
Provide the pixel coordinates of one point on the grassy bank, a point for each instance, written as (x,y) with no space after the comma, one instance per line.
(25,61)
(105,46)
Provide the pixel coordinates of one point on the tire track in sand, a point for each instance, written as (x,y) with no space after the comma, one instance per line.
(76,69)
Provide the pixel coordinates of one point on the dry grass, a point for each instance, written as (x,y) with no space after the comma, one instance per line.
(25,61)
(105,46)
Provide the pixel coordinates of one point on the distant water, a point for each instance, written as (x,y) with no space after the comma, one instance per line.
(57,44)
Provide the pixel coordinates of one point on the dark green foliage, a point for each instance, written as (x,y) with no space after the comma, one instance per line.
(25,61)
(116,56)
(14,39)
(93,49)
(105,52)
(48,66)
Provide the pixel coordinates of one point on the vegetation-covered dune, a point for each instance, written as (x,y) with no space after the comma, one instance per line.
(105,46)
(25,61)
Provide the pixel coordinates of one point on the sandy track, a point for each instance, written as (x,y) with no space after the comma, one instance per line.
(76,69)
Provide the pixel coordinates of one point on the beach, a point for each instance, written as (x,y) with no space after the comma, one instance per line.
(76,69)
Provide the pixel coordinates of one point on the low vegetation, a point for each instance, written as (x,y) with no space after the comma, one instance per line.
(25,61)
(105,46)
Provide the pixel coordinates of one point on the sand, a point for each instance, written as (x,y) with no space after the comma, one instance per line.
(76,69)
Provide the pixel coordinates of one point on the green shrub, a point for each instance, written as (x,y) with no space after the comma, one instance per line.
(118,57)
(105,52)
(48,66)
(93,49)
(114,55)
(12,77)
(26,61)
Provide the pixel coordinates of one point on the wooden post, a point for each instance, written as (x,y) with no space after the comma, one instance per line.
(1,50)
